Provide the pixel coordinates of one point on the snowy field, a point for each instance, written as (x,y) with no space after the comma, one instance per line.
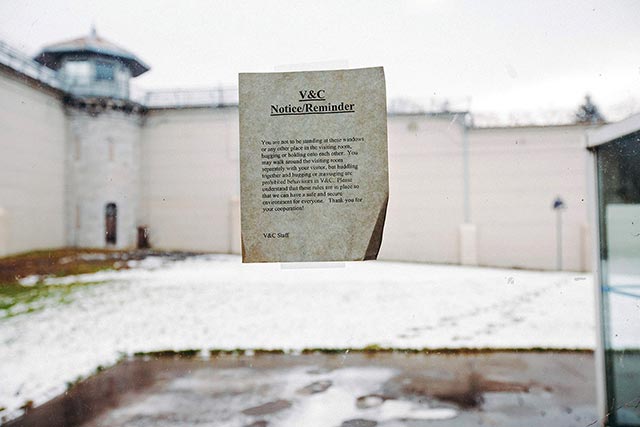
(215,302)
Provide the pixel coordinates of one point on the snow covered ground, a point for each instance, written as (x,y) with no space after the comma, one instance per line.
(215,302)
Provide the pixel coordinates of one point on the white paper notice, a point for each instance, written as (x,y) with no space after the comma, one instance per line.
(313,165)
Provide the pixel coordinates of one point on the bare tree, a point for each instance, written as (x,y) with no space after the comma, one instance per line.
(589,112)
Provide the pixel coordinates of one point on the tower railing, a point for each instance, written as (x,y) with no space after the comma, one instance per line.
(22,63)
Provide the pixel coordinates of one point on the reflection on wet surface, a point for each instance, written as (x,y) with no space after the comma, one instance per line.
(364,390)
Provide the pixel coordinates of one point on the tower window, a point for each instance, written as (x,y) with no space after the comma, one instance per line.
(104,70)
(77,72)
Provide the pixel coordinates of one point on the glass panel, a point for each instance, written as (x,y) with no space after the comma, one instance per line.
(104,70)
(619,192)
(77,72)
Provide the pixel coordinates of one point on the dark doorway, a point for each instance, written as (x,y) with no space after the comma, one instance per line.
(143,237)
(111,222)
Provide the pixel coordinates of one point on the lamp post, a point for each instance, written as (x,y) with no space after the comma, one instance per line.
(559,206)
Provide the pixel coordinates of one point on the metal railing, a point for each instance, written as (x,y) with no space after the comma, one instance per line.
(22,63)
(183,98)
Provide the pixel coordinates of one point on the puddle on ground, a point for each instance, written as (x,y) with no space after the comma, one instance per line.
(355,397)
(359,422)
(268,408)
(466,391)
(315,387)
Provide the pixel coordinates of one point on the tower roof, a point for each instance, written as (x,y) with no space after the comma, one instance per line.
(92,45)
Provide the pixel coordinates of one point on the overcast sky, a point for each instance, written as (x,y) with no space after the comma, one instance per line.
(502,55)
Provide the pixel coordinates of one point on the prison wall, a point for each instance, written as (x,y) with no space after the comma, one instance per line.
(425,189)
(515,175)
(32,147)
(190,179)
(190,189)
(175,172)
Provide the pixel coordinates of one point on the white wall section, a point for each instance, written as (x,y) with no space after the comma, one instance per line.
(32,167)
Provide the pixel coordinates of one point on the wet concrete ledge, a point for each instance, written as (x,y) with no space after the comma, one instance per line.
(90,397)
(115,386)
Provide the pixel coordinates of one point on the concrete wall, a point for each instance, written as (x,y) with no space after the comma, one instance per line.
(515,175)
(190,189)
(176,172)
(32,147)
(190,179)
(426,189)
(103,166)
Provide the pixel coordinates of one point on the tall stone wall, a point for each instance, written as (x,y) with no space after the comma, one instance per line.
(191,179)
(426,204)
(32,148)
(515,175)
(190,189)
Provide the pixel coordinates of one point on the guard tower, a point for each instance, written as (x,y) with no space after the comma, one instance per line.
(102,179)
(92,66)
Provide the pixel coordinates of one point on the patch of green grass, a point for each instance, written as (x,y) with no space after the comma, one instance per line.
(16,299)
